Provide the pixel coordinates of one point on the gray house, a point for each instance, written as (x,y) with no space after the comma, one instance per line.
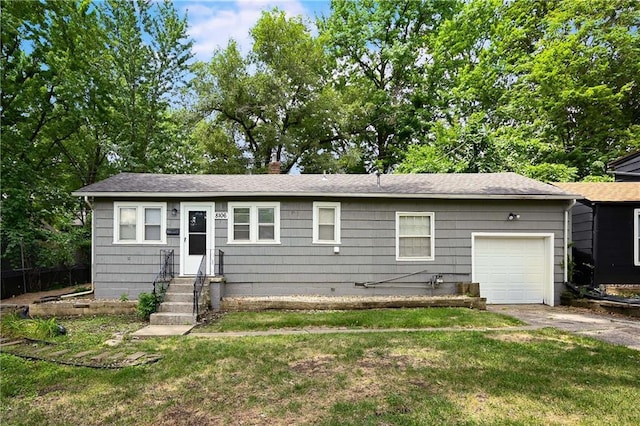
(334,234)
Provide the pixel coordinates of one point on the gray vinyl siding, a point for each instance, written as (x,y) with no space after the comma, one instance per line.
(126,268)
(367,249)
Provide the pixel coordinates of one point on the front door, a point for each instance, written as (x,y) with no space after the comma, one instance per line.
(196,237)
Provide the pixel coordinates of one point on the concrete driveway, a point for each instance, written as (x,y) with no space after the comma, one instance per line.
(612,329)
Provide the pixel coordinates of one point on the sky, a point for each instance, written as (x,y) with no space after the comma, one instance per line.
(213,22)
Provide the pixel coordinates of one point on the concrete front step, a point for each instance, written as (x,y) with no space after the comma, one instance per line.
(176,307)
(180,288)
(170,318)
(179,297)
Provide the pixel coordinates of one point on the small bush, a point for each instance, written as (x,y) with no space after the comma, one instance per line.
(124,297)
(15,327)
(146,305)
(12,326)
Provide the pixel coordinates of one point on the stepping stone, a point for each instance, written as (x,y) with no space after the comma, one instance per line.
(42,349)
(135,356)
(100,357)
(62,352)
(116,356)
(85,353)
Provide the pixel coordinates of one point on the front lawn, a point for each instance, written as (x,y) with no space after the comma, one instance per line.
(468,377)
(369,318)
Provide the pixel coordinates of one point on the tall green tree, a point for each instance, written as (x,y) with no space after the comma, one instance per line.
(273,103)
(543,88)
(383,64)
(66,94)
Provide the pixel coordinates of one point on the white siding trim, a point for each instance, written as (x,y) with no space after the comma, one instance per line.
(432,221)
(140,220)
(317,205)
(549,294)
(253,222)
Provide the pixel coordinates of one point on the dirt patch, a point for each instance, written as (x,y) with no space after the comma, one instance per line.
(189,416)
(27,298)
(314,366)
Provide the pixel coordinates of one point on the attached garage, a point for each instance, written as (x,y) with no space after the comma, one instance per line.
(513,268)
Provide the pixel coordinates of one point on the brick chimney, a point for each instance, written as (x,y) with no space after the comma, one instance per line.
(274,168)
(274,165)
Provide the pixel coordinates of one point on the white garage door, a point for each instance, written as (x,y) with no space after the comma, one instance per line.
(512,269)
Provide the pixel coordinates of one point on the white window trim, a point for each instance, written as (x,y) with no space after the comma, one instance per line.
(253,222)
(140,207)
(317,205)
(432,217)
(636,235)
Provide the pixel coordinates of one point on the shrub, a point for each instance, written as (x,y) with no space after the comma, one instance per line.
(15,327)
(146,305)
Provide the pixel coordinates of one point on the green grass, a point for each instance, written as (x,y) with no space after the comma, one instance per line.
(405,378)
(370,318)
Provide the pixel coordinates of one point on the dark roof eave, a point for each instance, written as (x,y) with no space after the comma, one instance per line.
(325,194)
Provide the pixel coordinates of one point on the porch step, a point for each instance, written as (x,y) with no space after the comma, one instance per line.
(180,288)
(179,297)
(177,307)
(170,318)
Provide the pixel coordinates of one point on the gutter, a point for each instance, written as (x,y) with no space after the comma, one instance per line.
(566,239)
(218,194)
(93,253)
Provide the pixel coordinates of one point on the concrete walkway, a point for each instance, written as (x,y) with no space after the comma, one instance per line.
(163,330)
(330,330)
(608,328)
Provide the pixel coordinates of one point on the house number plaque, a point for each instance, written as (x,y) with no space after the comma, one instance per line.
(221,215)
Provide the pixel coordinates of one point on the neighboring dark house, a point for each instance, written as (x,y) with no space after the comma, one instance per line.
(331,234)
(627,168)
(606,232)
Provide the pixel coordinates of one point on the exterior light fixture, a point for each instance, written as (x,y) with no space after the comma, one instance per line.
(513,216)
(174,212)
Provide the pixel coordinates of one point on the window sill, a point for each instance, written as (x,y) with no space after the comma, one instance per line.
(253,243)
(146,243)
(327,243)
(415,259)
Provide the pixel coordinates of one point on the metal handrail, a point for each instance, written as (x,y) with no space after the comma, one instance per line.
(220,264)
(198,284)
(165,275)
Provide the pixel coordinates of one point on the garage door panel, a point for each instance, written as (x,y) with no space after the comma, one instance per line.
(511,270)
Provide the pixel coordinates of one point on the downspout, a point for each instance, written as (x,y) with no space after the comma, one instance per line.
(566,239)
(93,253)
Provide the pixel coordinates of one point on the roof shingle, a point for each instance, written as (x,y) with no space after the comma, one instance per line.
(469,185)
(603,191)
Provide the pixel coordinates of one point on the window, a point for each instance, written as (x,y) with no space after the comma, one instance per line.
(636,234)
(257,223)
(326,223)
(139,223)
(414,236)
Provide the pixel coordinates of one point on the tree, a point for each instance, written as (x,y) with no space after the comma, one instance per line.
(382,55)
(549,84)
(273,103)
(64,101)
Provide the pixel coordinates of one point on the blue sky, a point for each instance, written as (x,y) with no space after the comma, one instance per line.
(212,23)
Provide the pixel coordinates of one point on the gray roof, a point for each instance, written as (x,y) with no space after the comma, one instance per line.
(467,185)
